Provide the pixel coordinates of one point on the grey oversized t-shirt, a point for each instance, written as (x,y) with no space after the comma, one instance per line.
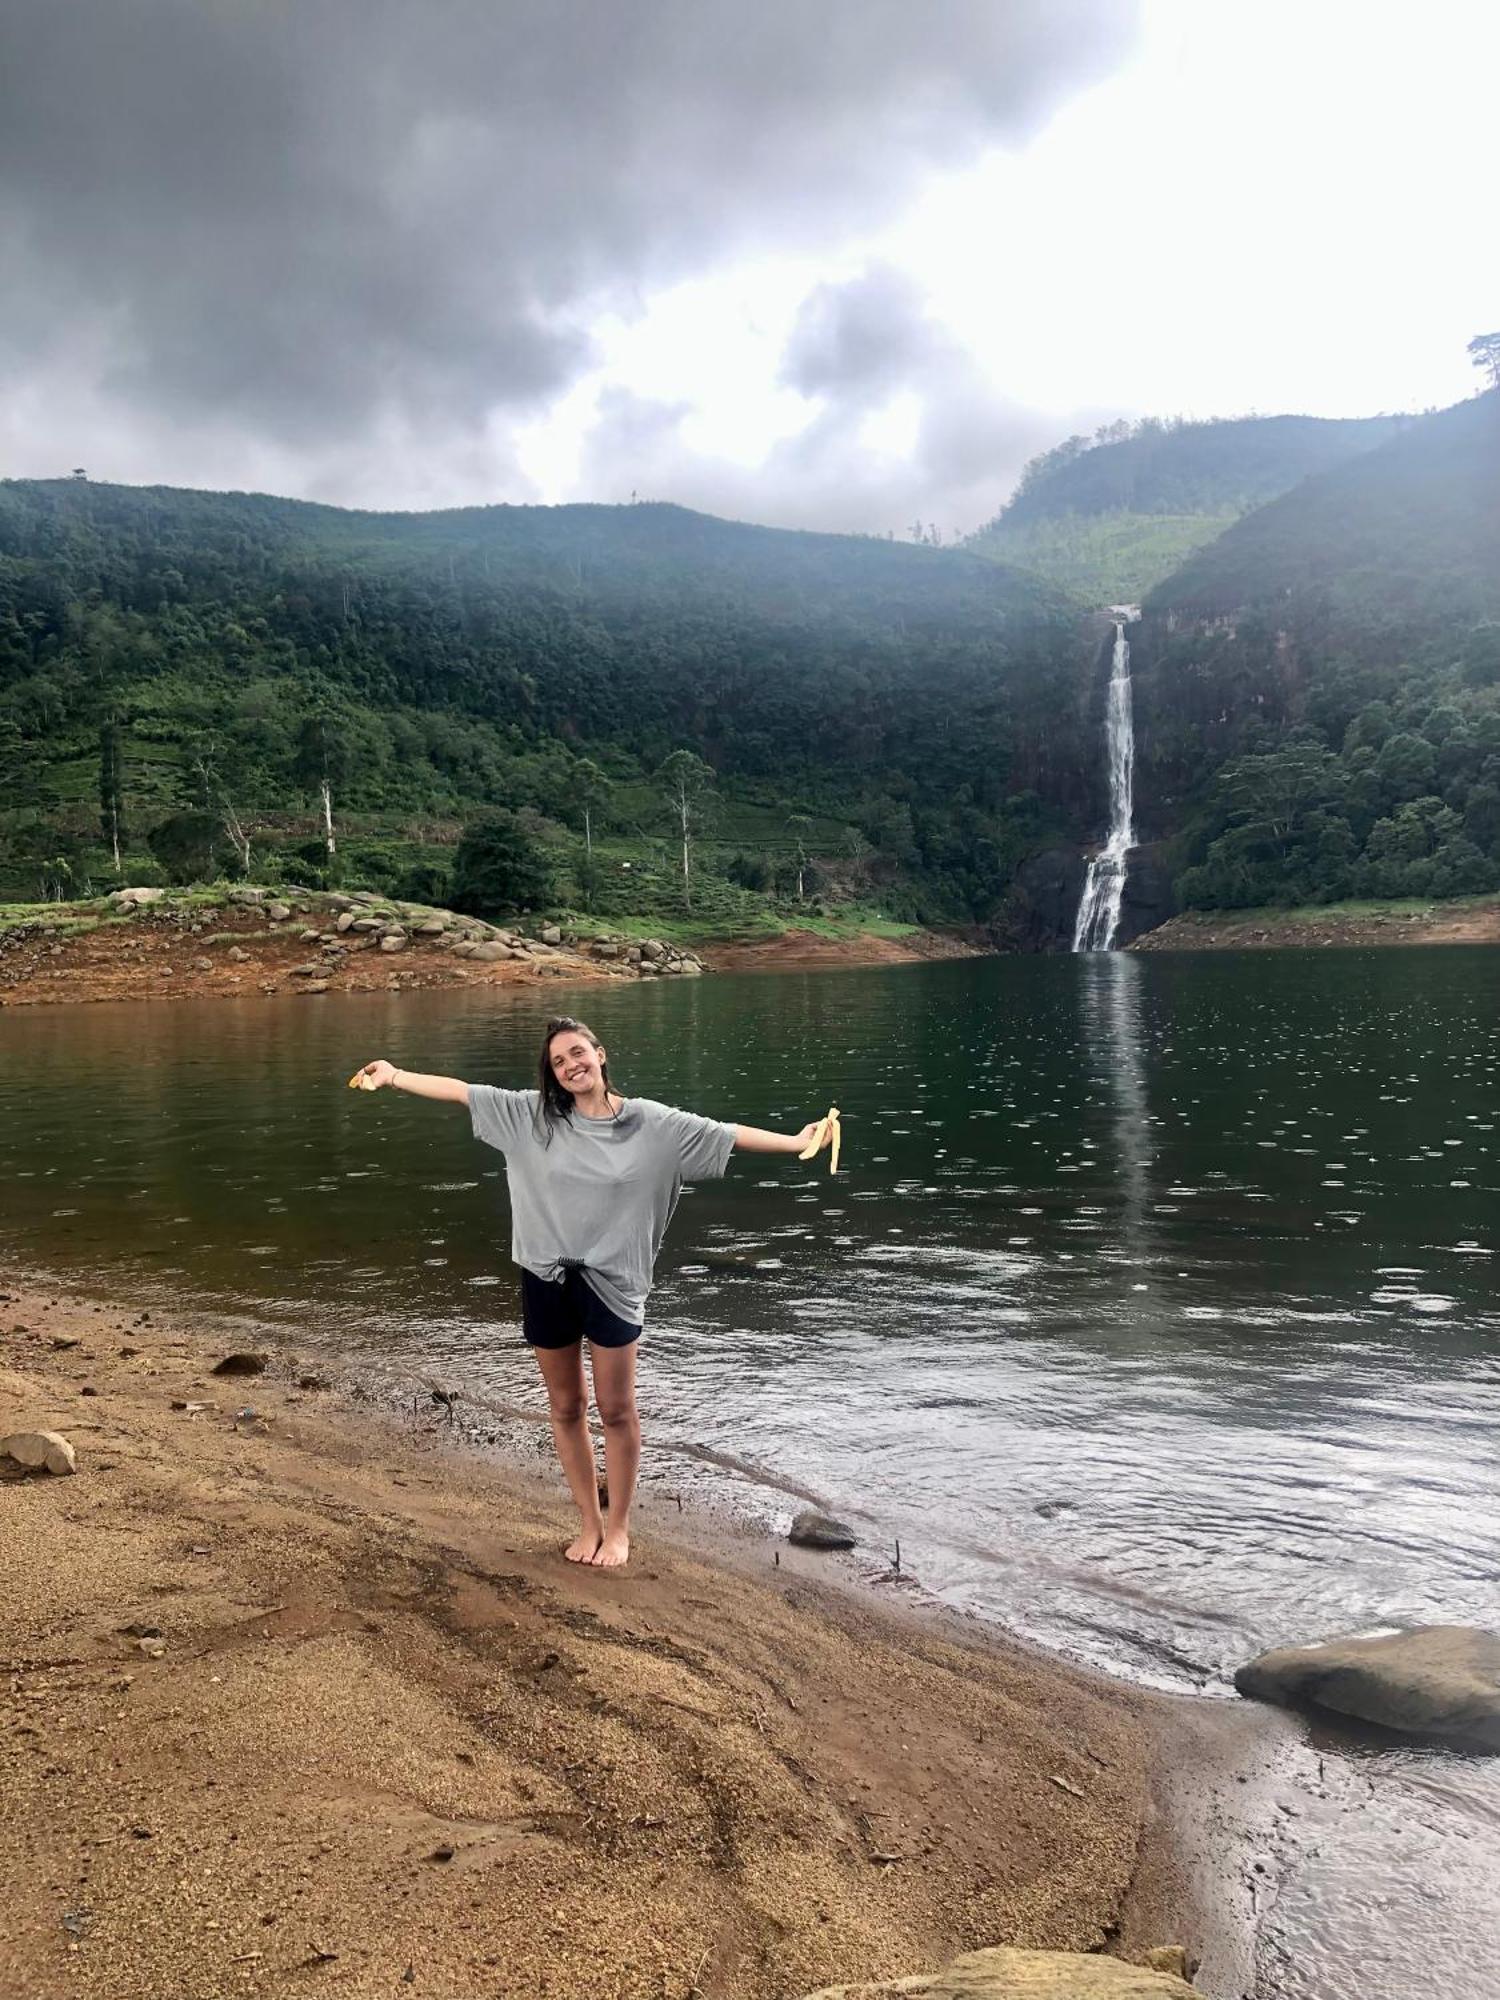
(602,1191)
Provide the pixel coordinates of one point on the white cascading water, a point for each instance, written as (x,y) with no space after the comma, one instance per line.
(1099,910)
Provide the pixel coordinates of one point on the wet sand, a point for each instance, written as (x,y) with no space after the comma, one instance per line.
(394,1743)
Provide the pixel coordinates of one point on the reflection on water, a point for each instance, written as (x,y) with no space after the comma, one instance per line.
(1154,1312)
(1111,1039)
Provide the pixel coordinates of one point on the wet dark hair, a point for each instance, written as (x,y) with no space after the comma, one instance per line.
(555,1102)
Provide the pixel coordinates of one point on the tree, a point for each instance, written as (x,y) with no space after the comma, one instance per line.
(203,763)
(799,826)
(111,786)
(498,866)
(187,845)
(591,787)
(322,761)
(687,784)
(1484,352)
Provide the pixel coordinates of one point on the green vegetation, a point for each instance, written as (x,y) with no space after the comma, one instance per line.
(324,697)
(1113,558)
(649,718)
(1111,516)
(1318,692)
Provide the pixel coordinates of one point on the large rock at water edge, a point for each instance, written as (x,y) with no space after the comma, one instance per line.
(39,1451)
(1003,1974)
(812,1530)
(1429,1680)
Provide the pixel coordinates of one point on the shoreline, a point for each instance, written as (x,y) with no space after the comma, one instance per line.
(702,1759)
(1473,920)
(188,947)
(810,951)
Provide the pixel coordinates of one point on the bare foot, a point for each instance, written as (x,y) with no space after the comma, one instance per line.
(586,1548)
(614,1550)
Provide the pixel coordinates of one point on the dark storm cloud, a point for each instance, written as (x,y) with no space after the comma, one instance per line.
(861,338)
(287,226)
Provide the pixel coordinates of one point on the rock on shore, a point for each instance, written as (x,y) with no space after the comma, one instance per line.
(1430,1680)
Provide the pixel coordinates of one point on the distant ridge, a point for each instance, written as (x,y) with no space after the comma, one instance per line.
(1110,518)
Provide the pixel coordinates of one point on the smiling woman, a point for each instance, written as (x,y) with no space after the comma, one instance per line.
(594,1178)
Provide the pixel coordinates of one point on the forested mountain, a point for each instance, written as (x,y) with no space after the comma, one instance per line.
(1318,692)
(905,716)
(1111,516)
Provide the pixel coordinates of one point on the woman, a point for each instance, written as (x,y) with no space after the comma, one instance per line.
(594,1178)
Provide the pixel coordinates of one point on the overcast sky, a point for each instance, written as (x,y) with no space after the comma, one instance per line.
(829,263)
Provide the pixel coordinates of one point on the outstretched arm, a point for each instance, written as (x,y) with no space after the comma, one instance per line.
(381,1075)
(750,1139)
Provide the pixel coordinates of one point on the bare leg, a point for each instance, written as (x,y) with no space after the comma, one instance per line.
(614,1393)
(567,1401)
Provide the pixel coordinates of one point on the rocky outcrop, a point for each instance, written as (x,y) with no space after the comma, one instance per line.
(1429,1680)
(1001,1973)
(1041,906)
(1042,902)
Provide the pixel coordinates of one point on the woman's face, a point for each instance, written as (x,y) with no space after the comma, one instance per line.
(576,1063)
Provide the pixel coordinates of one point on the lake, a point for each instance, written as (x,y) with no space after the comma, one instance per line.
(1154,1310)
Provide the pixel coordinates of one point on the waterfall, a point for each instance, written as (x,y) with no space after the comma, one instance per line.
(1099,910)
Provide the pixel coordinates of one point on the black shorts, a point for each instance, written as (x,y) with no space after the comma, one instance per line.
(557,1315)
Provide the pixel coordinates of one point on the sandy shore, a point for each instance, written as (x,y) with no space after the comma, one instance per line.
(809,951)
(393,1743)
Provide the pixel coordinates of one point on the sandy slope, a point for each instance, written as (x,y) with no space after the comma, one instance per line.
(395,1744)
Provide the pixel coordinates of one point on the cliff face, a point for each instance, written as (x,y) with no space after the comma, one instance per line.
(1039,913)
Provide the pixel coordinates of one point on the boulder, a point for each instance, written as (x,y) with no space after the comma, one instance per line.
(244,895)
(277,913)
(393,941)
(606,948)
(347,920)
(309,937)
(488,952)
(1001,1973)
(812,1530)
(550,934)
(241,1364)
(653,948)
(135,899)
(365,925)
(1428,1680)
(310,971)
(240,957)
(39,1451)
(433,927)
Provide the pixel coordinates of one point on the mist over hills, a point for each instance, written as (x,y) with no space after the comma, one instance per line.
(1111,516)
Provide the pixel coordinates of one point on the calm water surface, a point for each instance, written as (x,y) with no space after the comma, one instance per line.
(1155,1312)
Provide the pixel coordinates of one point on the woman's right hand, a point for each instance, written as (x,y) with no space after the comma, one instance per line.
(377,1075)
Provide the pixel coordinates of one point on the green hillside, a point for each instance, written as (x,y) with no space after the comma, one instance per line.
(884,722)
(1110,518)
(1318,692)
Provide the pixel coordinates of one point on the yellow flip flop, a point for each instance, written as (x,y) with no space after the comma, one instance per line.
(827,1134)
